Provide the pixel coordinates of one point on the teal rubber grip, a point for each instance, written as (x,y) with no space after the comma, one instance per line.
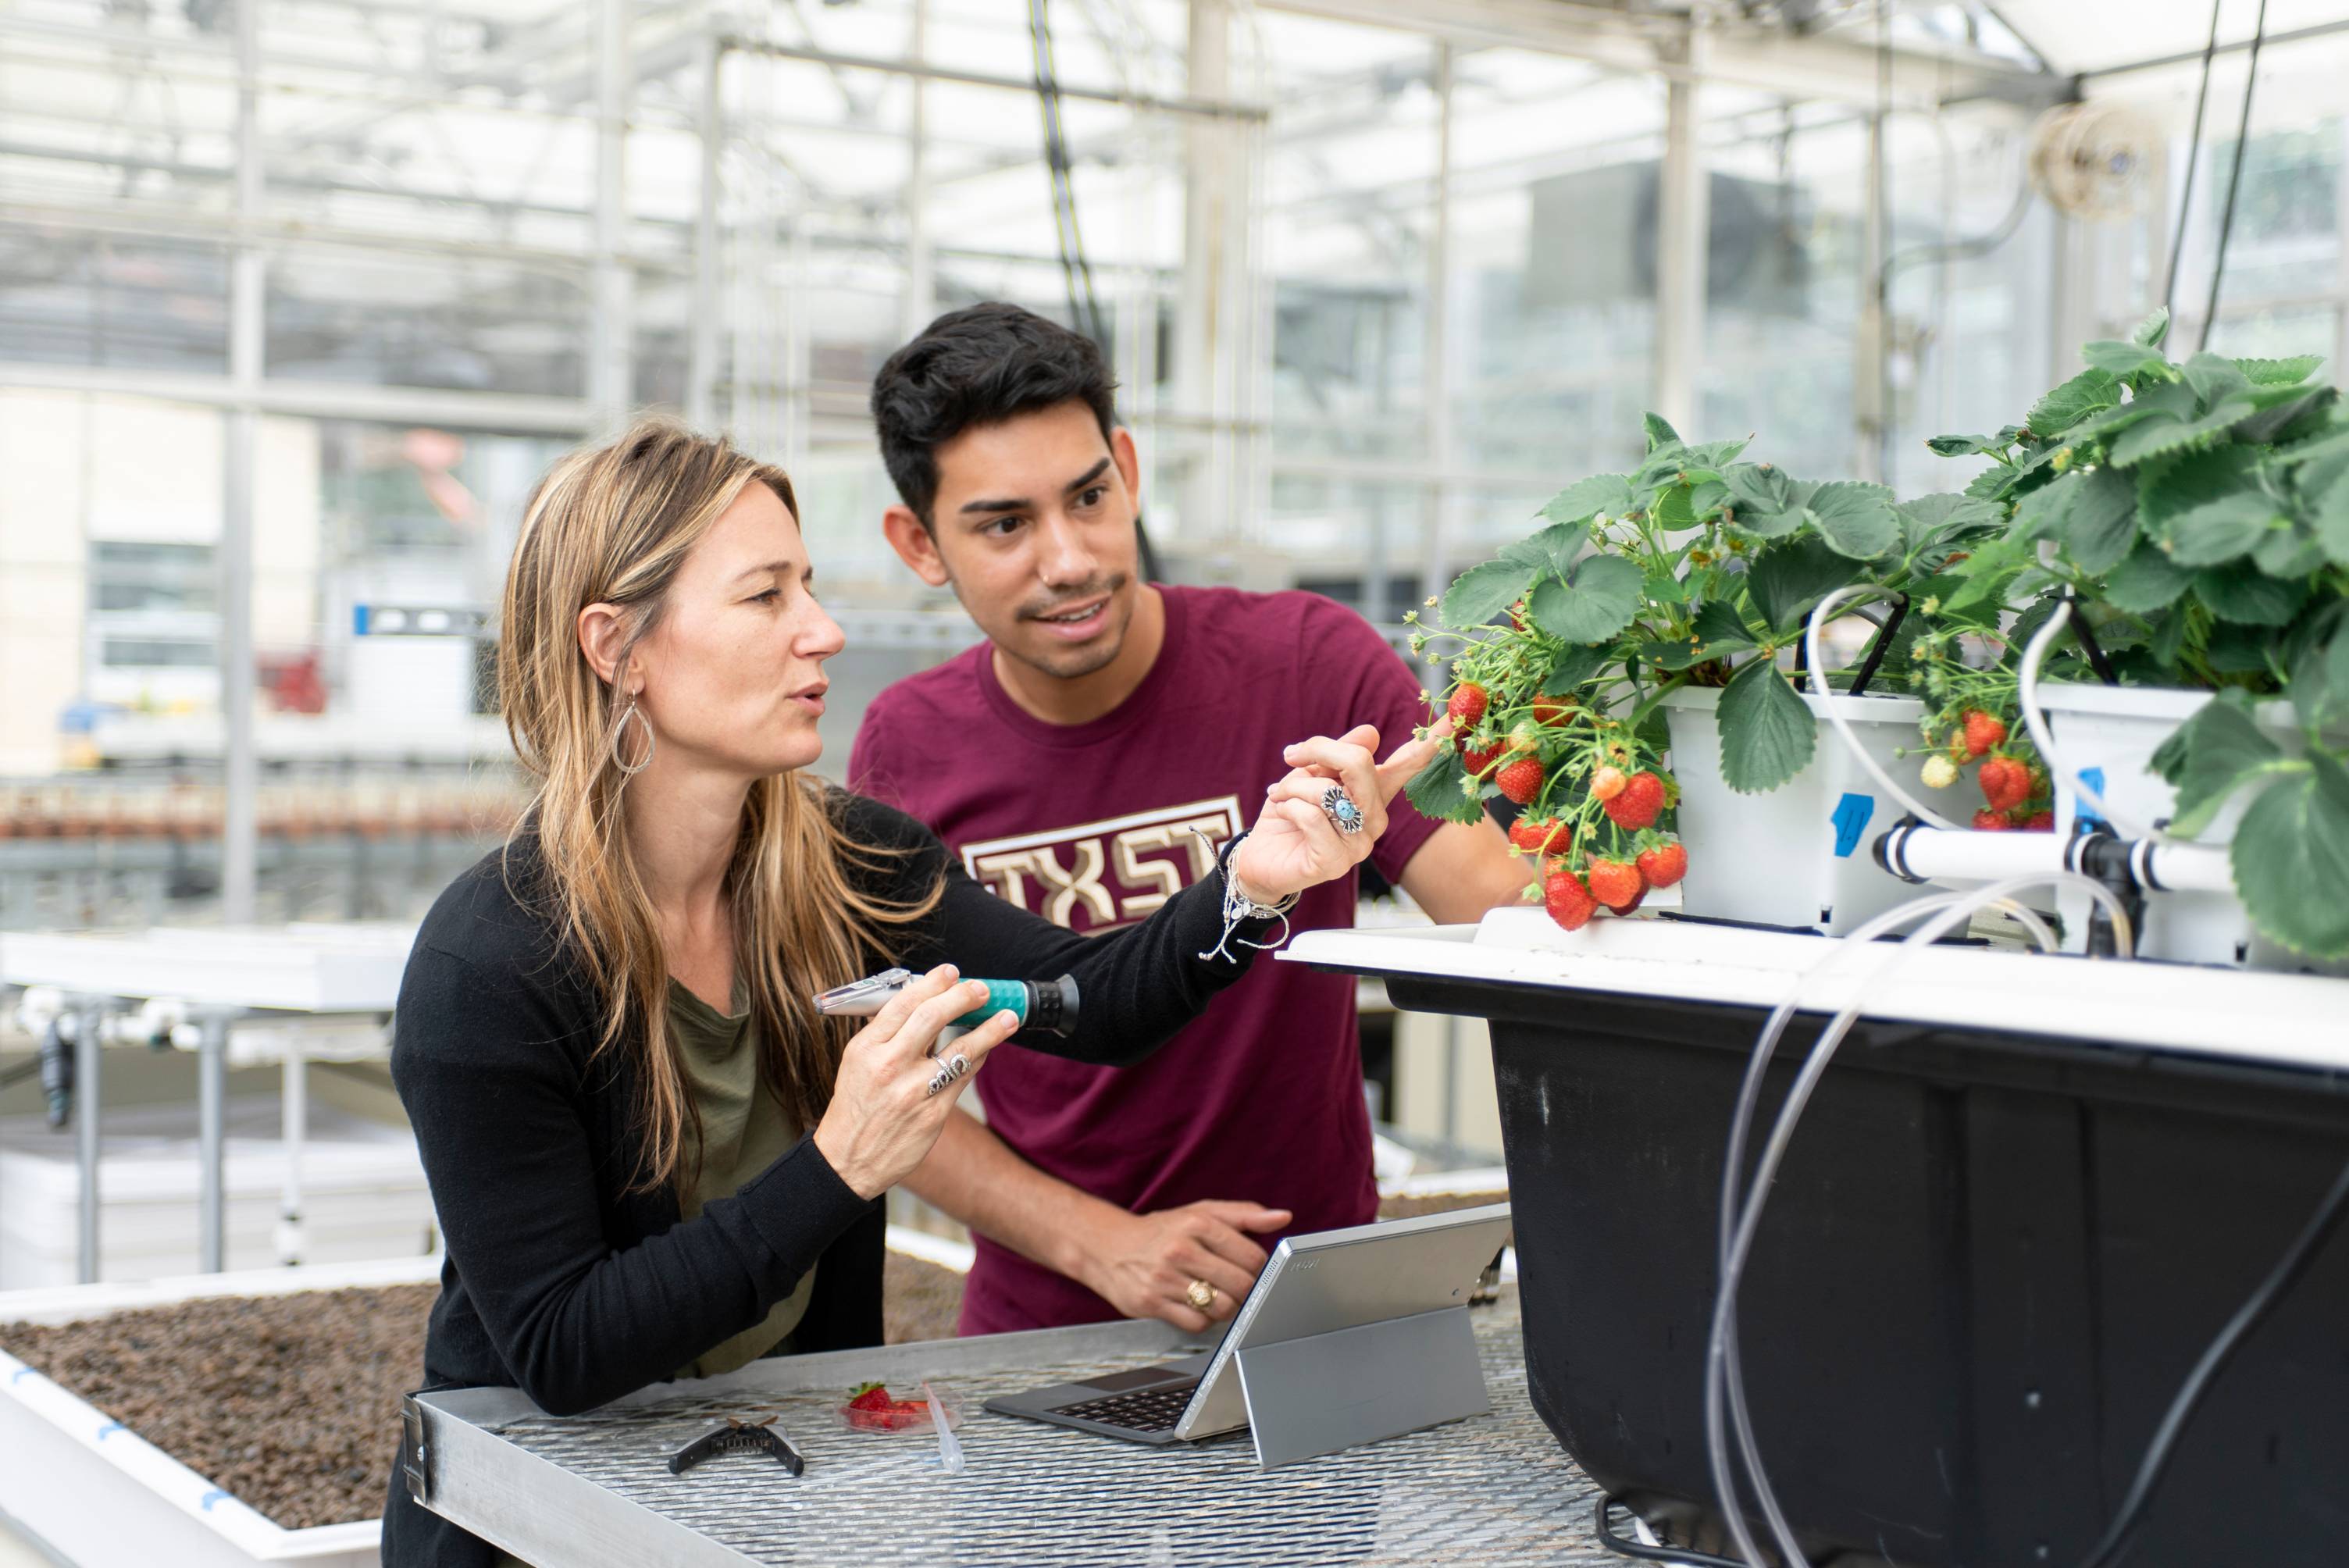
(1000,995)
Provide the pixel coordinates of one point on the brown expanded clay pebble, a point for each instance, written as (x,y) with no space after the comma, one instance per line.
(291,1403)
(288,1403)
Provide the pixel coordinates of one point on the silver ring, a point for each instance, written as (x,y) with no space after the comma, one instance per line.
(958,1066)
(1339,808)
(955,1070)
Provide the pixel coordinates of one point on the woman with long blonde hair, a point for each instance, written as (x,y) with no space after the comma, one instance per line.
(651,1155)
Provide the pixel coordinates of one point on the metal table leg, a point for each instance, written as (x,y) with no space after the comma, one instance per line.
(211,1070)
(90,1021)
(296,1128)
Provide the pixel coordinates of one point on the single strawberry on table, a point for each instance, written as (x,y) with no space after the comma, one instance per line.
(1641,798)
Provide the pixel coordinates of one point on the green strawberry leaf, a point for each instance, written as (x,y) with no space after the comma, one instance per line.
(1439,790)
(2278,417)
(1856,519)
(1481,592)
(1663,588)
(2100,525)
(1573,668)
(2153,328)
(2123,360)
(1714,455)
(2089,392)
(2332,519)
(1581,501)
(2157,437)
(1589,605)
(1969,445)
(2247,596)
(2291,859)
(2167,489)
(2220,531)
(1718,631)
(2280,372)
(2214,377)
(1554,549)
(1787,580)
(1767,734)
(2290,552)
(2145,580)
(1660,432)
(2210,756)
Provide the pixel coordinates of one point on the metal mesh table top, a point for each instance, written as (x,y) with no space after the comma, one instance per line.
(1494,1489)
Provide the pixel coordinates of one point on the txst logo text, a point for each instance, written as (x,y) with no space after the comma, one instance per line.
(1112,872)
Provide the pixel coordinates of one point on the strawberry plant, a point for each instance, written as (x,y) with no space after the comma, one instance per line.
(1696,568)
(2199,514)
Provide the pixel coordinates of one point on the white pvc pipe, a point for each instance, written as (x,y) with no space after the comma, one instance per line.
(1820,689)
(1938,855)
(2027,698)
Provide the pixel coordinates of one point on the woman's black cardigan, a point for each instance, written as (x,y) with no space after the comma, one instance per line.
(563,1283)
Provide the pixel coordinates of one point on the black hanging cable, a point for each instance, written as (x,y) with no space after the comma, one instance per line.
(2193,156)
(2234,179)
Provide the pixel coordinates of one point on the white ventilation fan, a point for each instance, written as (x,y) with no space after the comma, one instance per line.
(2098,160)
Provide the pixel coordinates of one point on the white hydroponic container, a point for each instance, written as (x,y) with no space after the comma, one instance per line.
(2107,735)
(1798,856)
(363,1194)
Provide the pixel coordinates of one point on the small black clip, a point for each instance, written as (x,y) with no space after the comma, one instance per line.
(738,1436)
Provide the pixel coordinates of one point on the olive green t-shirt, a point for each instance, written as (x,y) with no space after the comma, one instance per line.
(744,1129)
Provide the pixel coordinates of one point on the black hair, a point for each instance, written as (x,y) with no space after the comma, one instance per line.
(978,365)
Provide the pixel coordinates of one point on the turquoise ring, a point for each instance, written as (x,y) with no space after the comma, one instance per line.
(1339,808)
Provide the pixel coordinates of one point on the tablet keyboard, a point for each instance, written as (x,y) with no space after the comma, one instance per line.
(1144,1410)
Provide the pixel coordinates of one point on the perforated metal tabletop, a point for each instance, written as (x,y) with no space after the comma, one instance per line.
(595,1488)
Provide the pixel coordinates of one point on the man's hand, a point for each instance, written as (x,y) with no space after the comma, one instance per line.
(1143,1264)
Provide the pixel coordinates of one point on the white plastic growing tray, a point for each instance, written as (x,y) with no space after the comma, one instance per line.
(106,1498)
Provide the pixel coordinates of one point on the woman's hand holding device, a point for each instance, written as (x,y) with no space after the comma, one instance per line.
(884,1115)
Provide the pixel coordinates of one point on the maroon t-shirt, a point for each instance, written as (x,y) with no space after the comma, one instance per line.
(1089,825)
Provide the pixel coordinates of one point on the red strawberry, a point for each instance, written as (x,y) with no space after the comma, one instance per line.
(1637,806)
(1466,707)
(870,1397)
(1990,821)
(1570,903)
(1982,732)
(2005,783)
(1608,783)
(1633,905)
(1552,710)
(1548,837)
(1615,883)
(1521,780)
(1517,616)
(1479,760)
(1663,865)
(2043,821)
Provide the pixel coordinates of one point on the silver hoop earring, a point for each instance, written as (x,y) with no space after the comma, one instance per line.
(619,737)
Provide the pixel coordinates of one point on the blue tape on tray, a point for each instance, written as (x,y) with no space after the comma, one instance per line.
(2094,777)
(1851,815)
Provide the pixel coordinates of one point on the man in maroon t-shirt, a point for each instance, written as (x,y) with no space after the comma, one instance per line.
(1085,762)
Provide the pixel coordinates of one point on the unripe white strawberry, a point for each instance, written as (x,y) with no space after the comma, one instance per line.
(1940,772)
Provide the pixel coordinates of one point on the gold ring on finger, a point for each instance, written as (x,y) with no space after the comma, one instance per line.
(1199,1294)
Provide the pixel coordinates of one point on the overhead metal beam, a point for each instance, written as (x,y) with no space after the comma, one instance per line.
(317,400)
(1814,66)
(1144,103)
(2194,56)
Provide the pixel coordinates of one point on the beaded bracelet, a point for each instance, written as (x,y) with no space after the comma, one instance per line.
(1239,909)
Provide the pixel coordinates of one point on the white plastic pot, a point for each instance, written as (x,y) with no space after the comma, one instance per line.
(1798,856)
(2108,735)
